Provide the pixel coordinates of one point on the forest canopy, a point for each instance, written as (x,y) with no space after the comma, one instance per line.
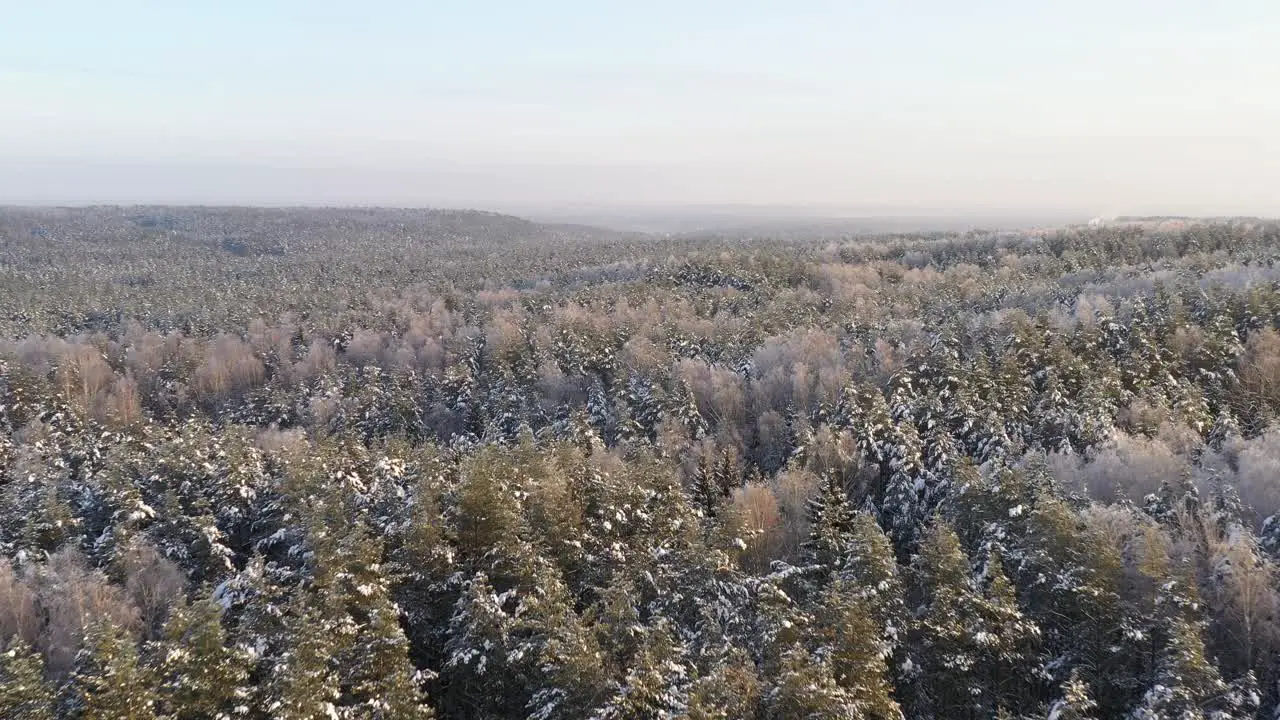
(410,464)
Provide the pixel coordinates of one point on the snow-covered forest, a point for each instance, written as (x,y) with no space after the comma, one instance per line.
(439,464)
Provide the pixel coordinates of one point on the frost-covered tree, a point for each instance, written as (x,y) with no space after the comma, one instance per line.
(199,674)
(24,693)
(832,524)
(109,682)
(973,646)
(1075,703)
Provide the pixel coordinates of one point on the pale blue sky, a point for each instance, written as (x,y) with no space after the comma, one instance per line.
(1113,106)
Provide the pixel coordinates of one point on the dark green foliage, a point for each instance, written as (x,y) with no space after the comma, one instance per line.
(109,681)
(200,674)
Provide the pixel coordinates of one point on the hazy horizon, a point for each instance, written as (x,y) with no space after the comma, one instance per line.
(1128,107)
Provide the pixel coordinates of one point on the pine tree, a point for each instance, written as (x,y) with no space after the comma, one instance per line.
(684,408)
(615,620)
(1010,640)
(1065,573)
(304,685)
(975,649)
(353,595)
(199,675)
(1075,703)
(1225,428)
(866,412)
(1186,683)
(256,601)
(571,665)
(47,523)
(24,694)
(731,691)
(852,643)
(871,572)
(109,682)
(1269,537)
(806,687)
(489,506)
(656,684)
(381,683)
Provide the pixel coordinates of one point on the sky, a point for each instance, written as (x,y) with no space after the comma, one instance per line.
(1103,106)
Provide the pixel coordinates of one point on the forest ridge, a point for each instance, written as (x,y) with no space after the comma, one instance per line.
(393,464)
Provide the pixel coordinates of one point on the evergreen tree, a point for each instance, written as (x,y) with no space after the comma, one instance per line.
(1241,701)
(852,643)
(683,407)
(380,682)
(646,411)
(656,684)
(831,527)
(904,507)
(476,676)
(727,476)
(572,666)
(731,691)
(1186,684)
(47,521)
(601,415)
(806,687)
(371,662)
(200,676)
(1075,703)
(1011,641)
(24,694)
(706,491)
(615,619)
(303,684)
(109,682)
(974,649)
(870,571)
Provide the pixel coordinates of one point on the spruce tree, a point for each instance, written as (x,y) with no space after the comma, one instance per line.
(728,477)
(477,676)
(831,527)
(903,509)
(706,491)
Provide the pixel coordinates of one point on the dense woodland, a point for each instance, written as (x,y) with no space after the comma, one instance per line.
(411,464)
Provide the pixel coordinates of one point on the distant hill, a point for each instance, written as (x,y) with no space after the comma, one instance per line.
(794,220)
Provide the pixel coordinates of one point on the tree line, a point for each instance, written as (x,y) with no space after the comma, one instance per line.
(383,464)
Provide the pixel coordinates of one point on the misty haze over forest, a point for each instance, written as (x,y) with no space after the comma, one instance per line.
(884,109)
